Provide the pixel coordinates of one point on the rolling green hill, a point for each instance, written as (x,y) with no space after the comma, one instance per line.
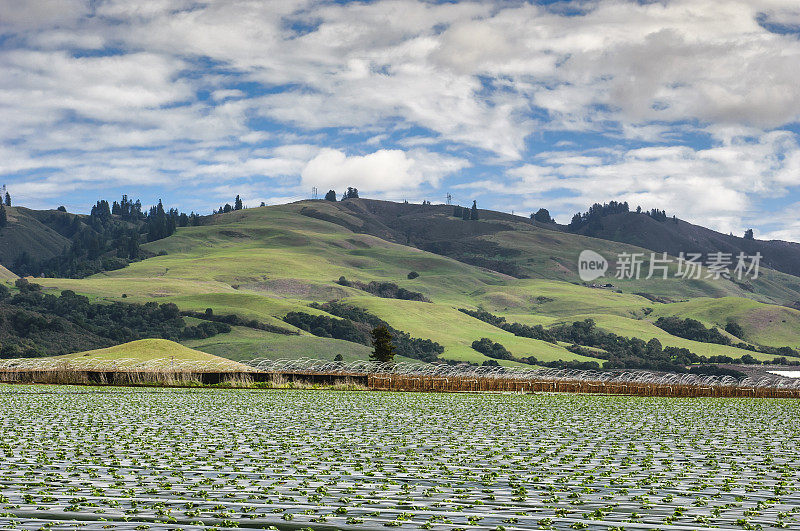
(518,247)
(148,350)
(262,263)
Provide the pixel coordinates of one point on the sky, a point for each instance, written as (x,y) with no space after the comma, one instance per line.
(690,106)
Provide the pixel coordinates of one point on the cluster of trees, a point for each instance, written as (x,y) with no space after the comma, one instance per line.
(325,326)
(695,330)
(497,351)
(542,216)
(36,324)
(492,349)
(386,290)
(235,320)
(351,193)
(631,353)
(126,209)
(356,325)
(107,239)
(598,211)
(466,213)
(658,215)
(618,351)
(237,205)
(734,329)
(692,329)
(518,329)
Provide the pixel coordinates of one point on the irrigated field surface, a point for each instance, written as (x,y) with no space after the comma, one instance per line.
(179,459)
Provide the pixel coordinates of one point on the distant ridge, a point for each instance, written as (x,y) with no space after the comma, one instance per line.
(675,236)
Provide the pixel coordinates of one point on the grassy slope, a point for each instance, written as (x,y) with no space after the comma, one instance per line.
(536,251)
(245,344)
(5,274)
(25,233)
(149,350)
(763,323)
(456,330)
(557,298)
(263,262)
(644,328)
(554,255)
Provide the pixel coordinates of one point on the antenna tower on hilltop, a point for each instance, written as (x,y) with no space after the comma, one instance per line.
(449,199)
(314,194)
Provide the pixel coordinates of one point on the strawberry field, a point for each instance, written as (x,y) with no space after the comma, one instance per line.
(182,459)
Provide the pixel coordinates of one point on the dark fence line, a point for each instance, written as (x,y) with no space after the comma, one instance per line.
(389,382)
(394,382)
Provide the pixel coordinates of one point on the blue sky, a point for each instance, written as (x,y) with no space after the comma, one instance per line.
(688,106)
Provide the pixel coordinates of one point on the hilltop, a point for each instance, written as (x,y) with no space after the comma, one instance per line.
(153,350)
(675,235)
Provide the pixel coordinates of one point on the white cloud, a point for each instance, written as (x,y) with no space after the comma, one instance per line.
(30,14)
(381,171)
(714,186)
(477,77)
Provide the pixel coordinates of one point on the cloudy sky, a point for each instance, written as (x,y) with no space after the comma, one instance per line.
(689,105)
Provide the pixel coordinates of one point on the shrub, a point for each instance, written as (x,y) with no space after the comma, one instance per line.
(491,349)
(734,329)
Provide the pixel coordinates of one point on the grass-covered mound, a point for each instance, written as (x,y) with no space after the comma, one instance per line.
(149,350)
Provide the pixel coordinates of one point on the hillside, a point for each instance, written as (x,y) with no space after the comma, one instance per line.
(263,263)
(678,236)
(32,232)
(515,246)
(153,351)
(5,274)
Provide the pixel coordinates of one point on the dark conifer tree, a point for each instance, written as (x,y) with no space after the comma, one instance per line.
(330,196)
(8,199)
(474,211)
(542,216)
(383,347)
(237,204)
